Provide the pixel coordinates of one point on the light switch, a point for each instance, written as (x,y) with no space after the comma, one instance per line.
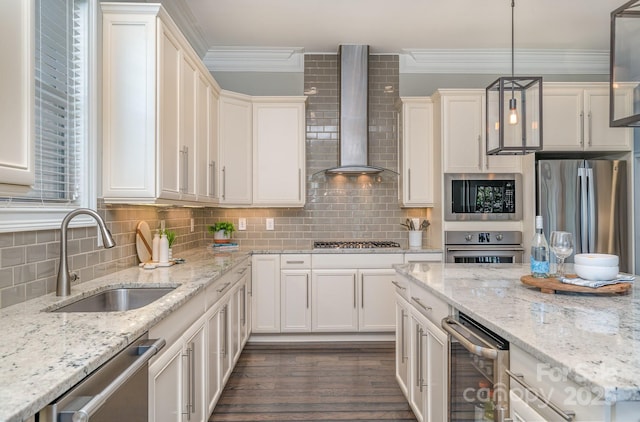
(242,224)
(270,224)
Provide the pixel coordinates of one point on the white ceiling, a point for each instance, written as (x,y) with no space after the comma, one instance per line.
(319,26)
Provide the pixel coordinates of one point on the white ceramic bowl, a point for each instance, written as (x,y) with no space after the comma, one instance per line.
(596,259)
(590,272)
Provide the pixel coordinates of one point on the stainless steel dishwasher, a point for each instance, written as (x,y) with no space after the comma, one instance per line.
(117,391)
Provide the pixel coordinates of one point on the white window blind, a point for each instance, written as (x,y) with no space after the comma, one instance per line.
(60,103)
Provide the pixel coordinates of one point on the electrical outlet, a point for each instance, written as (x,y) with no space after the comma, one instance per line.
(242,224)
(193,225)
(270,224)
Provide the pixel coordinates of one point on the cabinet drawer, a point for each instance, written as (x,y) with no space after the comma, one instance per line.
(356,260)
(428,304)
(402,286)
(295,261)
(422,257)
(553,384)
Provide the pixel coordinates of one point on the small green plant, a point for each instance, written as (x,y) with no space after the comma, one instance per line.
(226,226)
(171,236)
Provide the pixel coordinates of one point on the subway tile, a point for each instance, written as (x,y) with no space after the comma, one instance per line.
(45,269)
(37,252)
(12,256)
(6,277)
(6,240)
(24,273)
(12,295)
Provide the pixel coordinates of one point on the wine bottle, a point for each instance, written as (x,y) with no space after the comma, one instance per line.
(539,252)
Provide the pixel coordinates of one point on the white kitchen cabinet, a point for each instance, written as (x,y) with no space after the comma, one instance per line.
(416,153)
(177,379)
(403,343)
(265,288)
(462,134)
(214,351)
(576,118)
(295,293)
(334,306)
(236,149)
(207,165)
(153,89)
(279,151)
(376,310)
(17,171)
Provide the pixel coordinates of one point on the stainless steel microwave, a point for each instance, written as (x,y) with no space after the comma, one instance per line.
(483,196)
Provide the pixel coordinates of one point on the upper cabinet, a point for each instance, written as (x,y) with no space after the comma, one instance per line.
(16,107)
(159,111)
(279,151)
(235,149)
(416,153)
(462,134)
(576,118)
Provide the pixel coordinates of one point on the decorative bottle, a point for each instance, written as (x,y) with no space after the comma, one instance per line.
(539,252)
(155,250)
(164,249)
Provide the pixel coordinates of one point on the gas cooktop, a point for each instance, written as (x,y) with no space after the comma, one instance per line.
(355,244)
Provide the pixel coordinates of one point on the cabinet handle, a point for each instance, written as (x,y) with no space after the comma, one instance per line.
(212,179)
(225,319)
(418,355)
(242,271)
(307,277)
(244,306)
(355,294)
(402,344)
(567,415)
(409,184)
(224,182)
(480,152)
(582,128)
(362,291)
(295,262)
(590,129)
(192,368)
(422,305)
(224,286)
(190,381)
(395,283)
(299,184)
(185,169)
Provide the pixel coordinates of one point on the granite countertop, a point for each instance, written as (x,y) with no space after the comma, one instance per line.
(44,354)
(594,339)
(346,251)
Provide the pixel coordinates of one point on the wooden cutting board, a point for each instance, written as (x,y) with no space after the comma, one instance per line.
(553,285)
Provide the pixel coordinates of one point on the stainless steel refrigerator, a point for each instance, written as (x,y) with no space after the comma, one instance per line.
(589,199)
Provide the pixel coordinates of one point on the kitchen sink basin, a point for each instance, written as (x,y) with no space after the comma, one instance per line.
(118,299)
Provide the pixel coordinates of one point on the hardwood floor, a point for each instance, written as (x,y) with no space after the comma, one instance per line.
(314,382)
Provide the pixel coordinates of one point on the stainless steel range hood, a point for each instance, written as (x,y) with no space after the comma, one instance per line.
(354,111)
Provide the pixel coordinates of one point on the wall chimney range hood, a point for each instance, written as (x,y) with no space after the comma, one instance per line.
(353,81)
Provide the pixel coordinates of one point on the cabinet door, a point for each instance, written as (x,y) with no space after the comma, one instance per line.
(265,293)
(234,325)
(416,153)
(377,308)
(437,355)
(202,154)
(194,390)
(403,334)
(462,139)
(226,352)
(214,375)
(235,149)
(599,136)
(165,386)
(295,301)
(213,163)
(279,152)
(334,300)
(16,85)
(418,368)
(187,151)
(168,114)
(563,119)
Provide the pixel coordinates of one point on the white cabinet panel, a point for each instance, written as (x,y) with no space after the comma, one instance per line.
(334,301)
(403,343)
(279,151)
(265,293)
(295,301)
(377,308)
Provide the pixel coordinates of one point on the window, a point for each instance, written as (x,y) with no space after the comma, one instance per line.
(61,116)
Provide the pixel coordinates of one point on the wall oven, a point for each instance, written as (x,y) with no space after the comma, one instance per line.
(480,196)
(478,364)
(483,247)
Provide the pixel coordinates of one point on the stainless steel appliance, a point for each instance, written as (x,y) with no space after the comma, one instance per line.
(589,199)
(480,196)
(355,244)
(117,391)
(478,364)
(483,247)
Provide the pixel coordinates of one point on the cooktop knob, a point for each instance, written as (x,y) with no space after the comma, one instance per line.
(468,237)
(499,237)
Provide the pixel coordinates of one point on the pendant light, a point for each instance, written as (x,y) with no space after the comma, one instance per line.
(514,111)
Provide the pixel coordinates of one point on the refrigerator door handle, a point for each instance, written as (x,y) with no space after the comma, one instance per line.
(584,212)
(592,212)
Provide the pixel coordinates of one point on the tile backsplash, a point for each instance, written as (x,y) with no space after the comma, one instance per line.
(337,207)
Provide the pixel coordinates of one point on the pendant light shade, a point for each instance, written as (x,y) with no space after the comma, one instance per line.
(514,111)
(625,64)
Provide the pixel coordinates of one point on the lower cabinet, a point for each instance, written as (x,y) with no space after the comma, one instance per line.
(421,351)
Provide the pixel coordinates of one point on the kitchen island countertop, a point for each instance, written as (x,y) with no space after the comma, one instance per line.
(594,339)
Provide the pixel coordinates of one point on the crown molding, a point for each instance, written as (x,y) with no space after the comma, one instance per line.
(186,21)
(492,61)
(254,59)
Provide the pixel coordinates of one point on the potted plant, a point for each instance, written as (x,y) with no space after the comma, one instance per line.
(171,238)
(222,231)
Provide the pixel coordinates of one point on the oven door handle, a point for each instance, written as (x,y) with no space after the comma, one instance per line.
(486,352)
(95,402)
(485,249)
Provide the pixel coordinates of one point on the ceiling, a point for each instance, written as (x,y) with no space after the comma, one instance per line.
(319,26)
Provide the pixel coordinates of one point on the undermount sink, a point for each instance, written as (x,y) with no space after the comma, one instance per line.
(118,299)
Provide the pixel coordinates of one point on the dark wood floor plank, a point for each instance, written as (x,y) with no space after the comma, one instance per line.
(314,382)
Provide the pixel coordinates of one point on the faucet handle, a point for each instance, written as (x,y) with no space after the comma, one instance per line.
(73,276)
